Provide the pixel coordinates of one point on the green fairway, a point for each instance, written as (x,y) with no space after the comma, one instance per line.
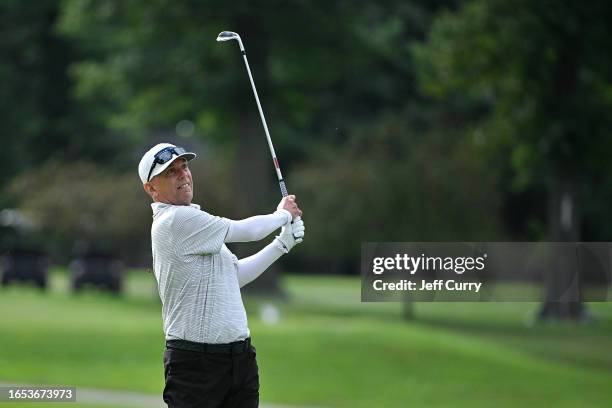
(328,349)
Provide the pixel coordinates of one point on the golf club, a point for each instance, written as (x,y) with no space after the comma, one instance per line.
(228,36)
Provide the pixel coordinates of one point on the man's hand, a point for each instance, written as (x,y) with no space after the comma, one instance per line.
(291,235)
(288,203)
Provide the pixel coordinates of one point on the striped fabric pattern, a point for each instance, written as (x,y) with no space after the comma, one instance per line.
(196,275)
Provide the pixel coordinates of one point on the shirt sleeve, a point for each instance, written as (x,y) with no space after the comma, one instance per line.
(198,232)
(248,269)
(257,227)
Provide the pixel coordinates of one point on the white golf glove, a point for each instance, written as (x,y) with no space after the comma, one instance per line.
(291,235)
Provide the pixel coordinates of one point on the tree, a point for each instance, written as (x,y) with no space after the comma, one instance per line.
(538,75)
(33,95)
(39,118)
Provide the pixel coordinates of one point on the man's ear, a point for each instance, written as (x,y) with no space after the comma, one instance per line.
(149,188)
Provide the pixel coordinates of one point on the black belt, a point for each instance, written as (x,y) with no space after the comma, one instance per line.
(235,347)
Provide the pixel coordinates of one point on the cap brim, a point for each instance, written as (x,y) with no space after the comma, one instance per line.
(160,169)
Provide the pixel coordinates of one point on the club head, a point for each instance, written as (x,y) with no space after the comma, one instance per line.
(230,35)
(227,36)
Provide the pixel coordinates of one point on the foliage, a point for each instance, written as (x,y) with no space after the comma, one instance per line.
(390,183)
(538,77)
(79,205)
(38,117)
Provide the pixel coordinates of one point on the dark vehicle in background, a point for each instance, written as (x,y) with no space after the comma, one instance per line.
(25,265)
(97,269)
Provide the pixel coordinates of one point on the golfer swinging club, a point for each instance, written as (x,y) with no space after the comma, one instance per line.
(209,360)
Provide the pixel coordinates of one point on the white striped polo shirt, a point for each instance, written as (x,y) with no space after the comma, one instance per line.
(196,276)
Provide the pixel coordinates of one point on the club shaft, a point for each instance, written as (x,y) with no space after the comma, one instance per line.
(281,182)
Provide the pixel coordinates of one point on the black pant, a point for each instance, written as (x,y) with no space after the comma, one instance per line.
(203,379)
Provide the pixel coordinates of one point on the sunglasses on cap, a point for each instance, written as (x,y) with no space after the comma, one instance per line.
(164,156)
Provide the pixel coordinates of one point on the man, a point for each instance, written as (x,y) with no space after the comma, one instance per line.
(209,360)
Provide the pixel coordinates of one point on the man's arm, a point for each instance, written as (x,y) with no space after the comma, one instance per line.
(257,227)
(260,226)
(251,267)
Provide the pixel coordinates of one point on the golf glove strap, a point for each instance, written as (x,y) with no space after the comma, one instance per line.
(257,227)
(251,267)
(291,235)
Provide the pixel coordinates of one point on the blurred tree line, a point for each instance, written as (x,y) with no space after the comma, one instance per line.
(393,121)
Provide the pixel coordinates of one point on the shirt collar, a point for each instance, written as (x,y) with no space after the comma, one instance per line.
(158,207)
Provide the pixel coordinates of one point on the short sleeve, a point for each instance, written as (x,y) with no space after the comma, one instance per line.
(198,232)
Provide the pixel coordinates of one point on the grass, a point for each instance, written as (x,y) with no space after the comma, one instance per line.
(328,349)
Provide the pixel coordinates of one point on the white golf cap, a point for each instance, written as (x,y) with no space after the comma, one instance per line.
(146,163)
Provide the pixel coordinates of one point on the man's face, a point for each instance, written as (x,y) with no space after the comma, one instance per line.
(173,186)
